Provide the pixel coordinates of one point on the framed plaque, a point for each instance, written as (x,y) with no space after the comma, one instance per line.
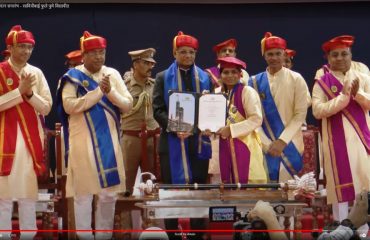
(181,112)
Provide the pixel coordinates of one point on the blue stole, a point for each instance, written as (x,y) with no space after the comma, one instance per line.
(178,155)
(273,127)
(97,123)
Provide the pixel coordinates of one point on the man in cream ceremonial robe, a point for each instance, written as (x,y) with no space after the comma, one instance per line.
(90,99)
(283,95)
(341,100)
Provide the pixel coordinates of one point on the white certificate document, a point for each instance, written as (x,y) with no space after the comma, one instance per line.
(212,112)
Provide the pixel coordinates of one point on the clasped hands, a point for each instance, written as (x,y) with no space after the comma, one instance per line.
(351,88)
(104,84)
(276,148)
(26,83)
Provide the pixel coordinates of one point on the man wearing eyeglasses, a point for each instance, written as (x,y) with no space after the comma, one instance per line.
(91,98)
(138,126)
(188,162)
(24,100)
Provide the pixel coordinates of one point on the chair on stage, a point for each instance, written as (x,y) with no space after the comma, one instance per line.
(51,206)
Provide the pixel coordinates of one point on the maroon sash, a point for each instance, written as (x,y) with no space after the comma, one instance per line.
(25,115)
(234,153)
(214,73)
(336,137)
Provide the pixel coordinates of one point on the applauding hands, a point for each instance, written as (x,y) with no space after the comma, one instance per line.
(104,84)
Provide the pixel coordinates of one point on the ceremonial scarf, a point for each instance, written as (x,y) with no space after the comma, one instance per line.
(98,126)
(241,159)
(336,136)
(24,115)
(273,127)
(214,73)
(179,160)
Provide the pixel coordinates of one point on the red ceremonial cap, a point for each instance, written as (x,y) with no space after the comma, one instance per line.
(231,62)
(290,52)
(5,53)
(269,42)
(18,35)
(75,56)
(90,42)
(182,40)
(344,41)
(230,42)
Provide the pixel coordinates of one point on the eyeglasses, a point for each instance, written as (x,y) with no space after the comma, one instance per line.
(24,46)
(184,52)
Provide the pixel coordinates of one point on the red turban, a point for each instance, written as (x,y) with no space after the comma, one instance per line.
(74,56)
(18,35)
(269,42)
(344,41)
(182,40)
(5,53)
(291,53)
(231,42)
(90,42)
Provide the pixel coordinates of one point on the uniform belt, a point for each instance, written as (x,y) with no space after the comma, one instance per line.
(144,135)
(140,134)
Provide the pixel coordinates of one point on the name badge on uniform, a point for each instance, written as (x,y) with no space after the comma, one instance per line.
(85,83)
(9,81)
(334,89)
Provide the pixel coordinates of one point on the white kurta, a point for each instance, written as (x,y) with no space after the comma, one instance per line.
(358,157)
(22,181)
(82,175)
(289,91)
(360,67)
(245,77)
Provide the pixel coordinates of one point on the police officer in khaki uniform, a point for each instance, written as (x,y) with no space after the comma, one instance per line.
(138,126)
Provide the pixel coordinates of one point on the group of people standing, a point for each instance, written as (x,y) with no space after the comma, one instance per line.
(110,124)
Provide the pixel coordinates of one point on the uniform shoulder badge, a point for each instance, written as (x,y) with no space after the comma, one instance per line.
(151,80)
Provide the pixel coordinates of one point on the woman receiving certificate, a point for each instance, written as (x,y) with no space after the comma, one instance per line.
(241,158)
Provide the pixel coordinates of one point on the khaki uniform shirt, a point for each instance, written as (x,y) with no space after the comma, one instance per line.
(142,110)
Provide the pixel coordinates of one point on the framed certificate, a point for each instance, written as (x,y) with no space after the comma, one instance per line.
(181,112)
(212,112)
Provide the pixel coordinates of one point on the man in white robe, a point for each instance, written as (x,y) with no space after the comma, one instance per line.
(286,91)
(25,92)
(355,92)
(95,165)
